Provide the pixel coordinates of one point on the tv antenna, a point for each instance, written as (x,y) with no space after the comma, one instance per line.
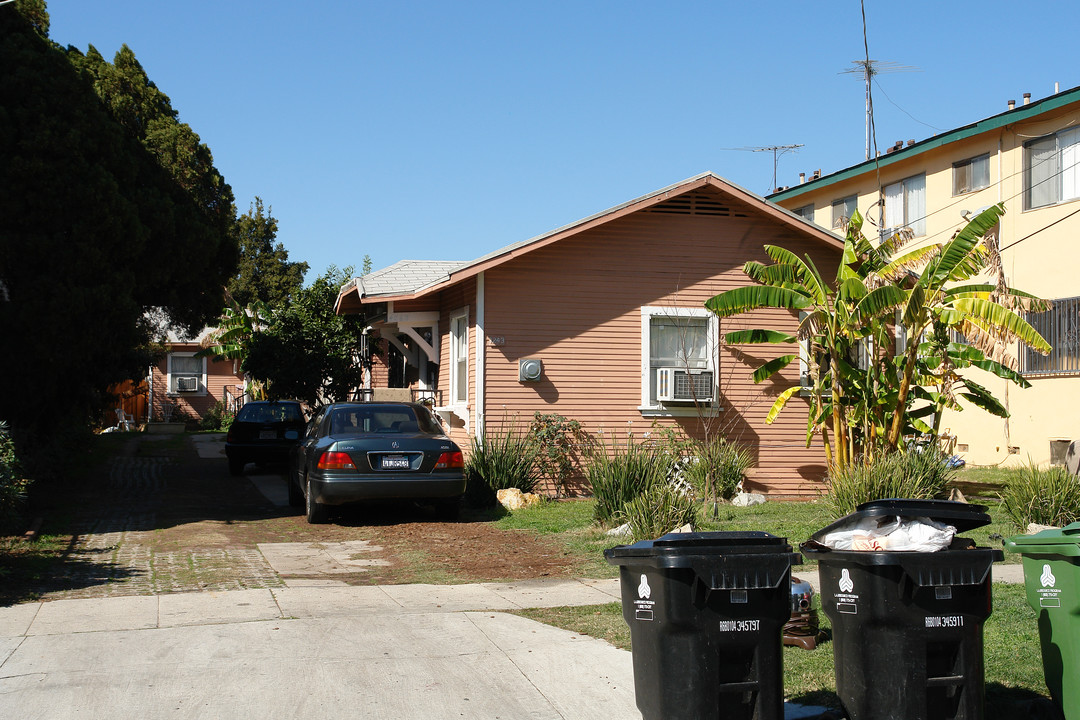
(868,70)
(777,151)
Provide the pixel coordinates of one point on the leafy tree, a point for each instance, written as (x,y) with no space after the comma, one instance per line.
(264,273)
(308,352)
(859,412)
(93,232)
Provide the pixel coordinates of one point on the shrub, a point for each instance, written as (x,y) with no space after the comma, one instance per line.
(498,461)
(619,475)
(216,418)
(13,485)
(1046,497)
(558,442)
(917,475)
(660,509)
(717,468)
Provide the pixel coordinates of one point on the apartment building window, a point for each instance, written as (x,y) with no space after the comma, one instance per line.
(1059,326)
(1052,169)
(806,212)
(842,210)
(971,175)
(905,206)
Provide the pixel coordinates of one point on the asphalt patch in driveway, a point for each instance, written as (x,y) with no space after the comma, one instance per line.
(321,558)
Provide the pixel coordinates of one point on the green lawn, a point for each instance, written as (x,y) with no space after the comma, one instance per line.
(1013,661)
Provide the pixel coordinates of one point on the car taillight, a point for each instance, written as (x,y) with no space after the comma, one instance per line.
(450,460)
(336,461)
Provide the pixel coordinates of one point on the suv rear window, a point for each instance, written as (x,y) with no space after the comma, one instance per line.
(270,413)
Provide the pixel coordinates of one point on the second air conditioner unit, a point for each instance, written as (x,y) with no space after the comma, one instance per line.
(682,385)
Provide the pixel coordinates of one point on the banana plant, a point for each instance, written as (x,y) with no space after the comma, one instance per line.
(859,411)
(229,341)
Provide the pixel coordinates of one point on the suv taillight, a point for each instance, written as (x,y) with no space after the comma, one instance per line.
(450,460)
(335,461)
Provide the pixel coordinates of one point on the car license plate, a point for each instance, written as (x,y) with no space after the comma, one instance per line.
(394,462)
(268,434)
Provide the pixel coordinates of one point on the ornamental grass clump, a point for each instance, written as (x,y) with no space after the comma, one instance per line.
(1045,497)
(662,508)
(916,475)
(717,469)
(620,474)
(499,461)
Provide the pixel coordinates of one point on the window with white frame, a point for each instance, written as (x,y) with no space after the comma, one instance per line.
(842,210)
(186,373)
(971,175)
(1059,326)
(459,357)
(1052,169)
(905,206)
(679,356)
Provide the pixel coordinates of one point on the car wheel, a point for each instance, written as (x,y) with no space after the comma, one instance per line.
(236,467)
(316,511)
(448,510)
(296,497)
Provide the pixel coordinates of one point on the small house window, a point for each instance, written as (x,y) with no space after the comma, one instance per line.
(806,212)
(186,373)
(679,356)
(459,357)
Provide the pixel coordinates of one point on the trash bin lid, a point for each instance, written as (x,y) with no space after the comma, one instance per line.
(962,516)
(674,547)
(1057,541)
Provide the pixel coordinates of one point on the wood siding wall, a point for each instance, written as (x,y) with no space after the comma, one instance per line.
(576,305)
(193,406)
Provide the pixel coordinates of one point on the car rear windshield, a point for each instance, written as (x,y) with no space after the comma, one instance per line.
(381,419)
(270,413)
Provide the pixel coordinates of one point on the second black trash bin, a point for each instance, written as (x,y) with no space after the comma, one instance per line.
(706,612)
(908,626)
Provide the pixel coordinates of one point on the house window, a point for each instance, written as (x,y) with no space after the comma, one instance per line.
(679,350)
(806,212)
(186,373)
(905,206)
(842,210)
(1052,169)
(971,175)
(459,357)
(1059,326)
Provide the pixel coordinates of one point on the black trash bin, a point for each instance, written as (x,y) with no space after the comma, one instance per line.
(908,626)
(706,612)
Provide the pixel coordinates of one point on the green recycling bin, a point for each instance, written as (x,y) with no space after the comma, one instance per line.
(1052,576)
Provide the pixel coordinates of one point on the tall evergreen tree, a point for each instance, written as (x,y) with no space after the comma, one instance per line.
(94,231)
(264,273)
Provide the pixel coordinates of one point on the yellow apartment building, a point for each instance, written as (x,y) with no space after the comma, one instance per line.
(1028,158)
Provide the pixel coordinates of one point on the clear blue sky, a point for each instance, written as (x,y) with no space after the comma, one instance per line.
(445,130)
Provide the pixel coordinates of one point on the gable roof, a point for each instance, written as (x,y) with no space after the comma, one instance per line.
(1024,112)
(411,279)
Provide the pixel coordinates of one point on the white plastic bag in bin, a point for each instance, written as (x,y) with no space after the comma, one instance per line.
(892,533)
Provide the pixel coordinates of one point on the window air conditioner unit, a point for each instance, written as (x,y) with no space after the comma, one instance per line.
(682,385)
(187,384)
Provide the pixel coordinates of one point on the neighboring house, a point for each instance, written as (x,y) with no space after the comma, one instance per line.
(185,387)
(602,321)
(1028,158)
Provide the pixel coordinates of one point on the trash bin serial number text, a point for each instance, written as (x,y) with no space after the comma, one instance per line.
(945,621)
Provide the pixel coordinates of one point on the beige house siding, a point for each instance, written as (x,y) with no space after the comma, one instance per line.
(1038,253)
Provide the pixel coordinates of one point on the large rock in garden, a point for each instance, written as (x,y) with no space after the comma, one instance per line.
(514,499)
(747,499)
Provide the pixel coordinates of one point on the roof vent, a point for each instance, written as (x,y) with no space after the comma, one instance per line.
(1027,98)
(1012,104)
